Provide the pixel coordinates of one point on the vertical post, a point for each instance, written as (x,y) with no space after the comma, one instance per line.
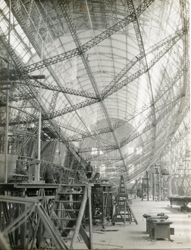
(155,187)
(103,210)
(23,229)
(93,202)
(23,226)
(153,175)
(6,138)
(7,106)
(125,211)
(80,216)
(37,167)
(162,188)
(147,176)
(142,189)
(3,243)
(90,217)
(170,185)
(16,230)
(1,219)
(158,180)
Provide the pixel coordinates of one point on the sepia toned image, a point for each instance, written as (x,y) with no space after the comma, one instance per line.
(95,124)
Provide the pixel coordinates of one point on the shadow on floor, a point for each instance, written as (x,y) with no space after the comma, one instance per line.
(139,232)
(175,210)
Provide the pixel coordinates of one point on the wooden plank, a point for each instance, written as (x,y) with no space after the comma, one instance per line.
(80,216)
(85,237)
(19,218)
(90,217)
(3,243)
(50,227)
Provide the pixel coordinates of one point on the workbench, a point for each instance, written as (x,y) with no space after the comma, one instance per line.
(161,229)
(28,189)
(149,221)
(181,201)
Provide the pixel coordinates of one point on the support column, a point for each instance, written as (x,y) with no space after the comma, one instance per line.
(158,185)
(145,186)
(142,191)
(37,167)
(6,138)
(162,187)
(154,191)
(7,106)
(147,178)
(90,217)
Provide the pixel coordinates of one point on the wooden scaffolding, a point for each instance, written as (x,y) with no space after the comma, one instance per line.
(123,212)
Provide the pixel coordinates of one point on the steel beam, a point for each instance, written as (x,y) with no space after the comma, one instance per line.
(118,124)
(67,16)
(143,70)
(53,101)
(28,89)
(121,123)
(165,141)
(168,42)
(134,135)
(36,103)
(137,58)
(88,45)
(117,86)
(65,90)
(38,42)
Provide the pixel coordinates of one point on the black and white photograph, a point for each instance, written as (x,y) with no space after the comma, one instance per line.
(95,124)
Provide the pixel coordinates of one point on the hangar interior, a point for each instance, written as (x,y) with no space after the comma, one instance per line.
(94,124)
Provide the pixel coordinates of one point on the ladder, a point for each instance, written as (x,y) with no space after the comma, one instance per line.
(123,211)
(68,211)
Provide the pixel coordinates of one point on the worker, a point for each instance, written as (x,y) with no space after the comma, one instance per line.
(48,176)
(78,176)
(89,170)
(71,190)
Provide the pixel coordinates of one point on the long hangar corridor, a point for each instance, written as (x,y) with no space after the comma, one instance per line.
(95,124)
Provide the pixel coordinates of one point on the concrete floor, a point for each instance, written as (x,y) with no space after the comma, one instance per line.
(132,236)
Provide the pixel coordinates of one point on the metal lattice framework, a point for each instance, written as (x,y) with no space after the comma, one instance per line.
(116,86)
(177,159)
